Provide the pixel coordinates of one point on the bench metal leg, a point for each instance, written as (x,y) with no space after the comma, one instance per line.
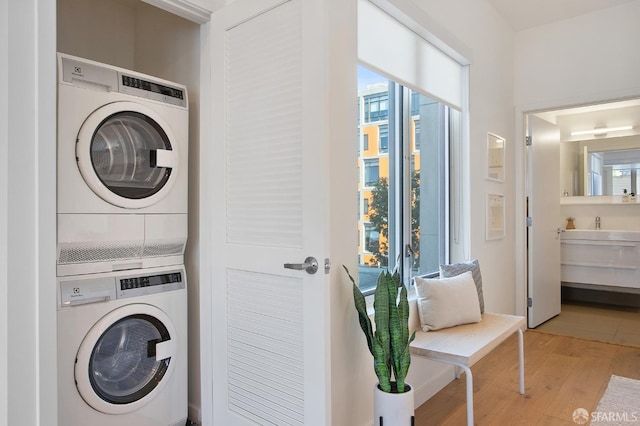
(521,359)
(469,378)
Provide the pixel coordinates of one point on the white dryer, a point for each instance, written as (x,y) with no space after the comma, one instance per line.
(122,169)
(122,348)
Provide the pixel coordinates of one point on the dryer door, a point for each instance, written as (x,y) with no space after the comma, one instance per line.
(127,155)
(126,359)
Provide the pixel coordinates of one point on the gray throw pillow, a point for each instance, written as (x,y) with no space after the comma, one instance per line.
(460,268)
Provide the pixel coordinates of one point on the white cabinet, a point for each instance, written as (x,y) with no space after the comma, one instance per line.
(609,258)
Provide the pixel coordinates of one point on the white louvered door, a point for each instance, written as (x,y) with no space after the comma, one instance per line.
(270,332)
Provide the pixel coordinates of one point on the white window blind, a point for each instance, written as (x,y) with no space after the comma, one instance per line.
(390,47)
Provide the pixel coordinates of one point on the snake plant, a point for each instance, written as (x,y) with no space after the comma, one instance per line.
(389,343)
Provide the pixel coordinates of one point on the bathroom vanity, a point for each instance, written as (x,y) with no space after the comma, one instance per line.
(606,259)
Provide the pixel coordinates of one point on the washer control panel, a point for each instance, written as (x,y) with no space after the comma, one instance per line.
(82,290)
(140,285)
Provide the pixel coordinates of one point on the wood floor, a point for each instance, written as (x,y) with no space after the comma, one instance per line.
(561,374)
(604,323)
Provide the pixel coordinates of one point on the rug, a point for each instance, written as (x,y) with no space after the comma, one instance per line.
(620,404)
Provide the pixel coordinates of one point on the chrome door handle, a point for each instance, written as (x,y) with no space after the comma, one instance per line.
(559,231)
(310,265)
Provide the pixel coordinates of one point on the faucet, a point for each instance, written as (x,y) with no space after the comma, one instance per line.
(597,222)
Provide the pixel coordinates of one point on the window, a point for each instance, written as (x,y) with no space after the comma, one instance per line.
(376,107)
(419,91)
(383,131)
(415,103)
(406,200)
(365,142)
(371,172)
(371,238)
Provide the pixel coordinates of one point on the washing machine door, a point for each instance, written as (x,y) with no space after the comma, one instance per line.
(126,359)
(127,155)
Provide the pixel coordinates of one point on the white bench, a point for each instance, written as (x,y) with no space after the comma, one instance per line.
(464,345)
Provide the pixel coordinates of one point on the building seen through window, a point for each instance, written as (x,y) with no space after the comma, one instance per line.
(403,185)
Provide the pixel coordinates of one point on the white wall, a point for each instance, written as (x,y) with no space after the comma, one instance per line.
(27,216)
(4,210)
(490,42)
(592,57)
(489,49)
(350,362)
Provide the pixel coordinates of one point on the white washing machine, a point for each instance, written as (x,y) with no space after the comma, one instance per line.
(122,348)
(122,169)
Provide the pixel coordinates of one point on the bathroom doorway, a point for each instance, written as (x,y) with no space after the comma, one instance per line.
(584,195)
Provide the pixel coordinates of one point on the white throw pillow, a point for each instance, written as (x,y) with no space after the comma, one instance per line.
(447,302)
(454,269)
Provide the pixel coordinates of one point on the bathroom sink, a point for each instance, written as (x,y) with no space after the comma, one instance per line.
(600,234)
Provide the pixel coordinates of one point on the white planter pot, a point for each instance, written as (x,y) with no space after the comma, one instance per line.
(392,409)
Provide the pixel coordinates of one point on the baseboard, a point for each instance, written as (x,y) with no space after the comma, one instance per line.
(194,415)
(598,294)
(437,382)
(422,392)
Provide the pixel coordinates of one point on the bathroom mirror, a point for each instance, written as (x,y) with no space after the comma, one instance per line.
(600,167)
(495,157)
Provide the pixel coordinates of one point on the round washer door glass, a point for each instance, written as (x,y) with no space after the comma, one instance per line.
(127,154)
(126,359)
(123,367)
(124,151)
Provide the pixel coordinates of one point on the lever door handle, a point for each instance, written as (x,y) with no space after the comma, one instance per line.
(559,231)
(310,265)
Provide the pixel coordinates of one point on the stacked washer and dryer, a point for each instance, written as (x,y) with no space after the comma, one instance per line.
(121,236)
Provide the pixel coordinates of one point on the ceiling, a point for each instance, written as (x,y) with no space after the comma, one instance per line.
(525,14)
(614,114)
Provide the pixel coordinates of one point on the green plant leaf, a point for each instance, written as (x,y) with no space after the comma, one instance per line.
(389,343)
(404,358)
(381,318)
(361,306)
(395,326)
(381,365)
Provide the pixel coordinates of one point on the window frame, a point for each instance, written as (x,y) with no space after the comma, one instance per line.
(401,103)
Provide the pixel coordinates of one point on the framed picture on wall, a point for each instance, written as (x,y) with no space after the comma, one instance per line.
(495,157)
(495,217)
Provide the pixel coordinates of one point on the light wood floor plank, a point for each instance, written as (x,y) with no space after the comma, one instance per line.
(561,374)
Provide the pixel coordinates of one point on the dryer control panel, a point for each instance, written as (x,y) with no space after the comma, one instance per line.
(89,74)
